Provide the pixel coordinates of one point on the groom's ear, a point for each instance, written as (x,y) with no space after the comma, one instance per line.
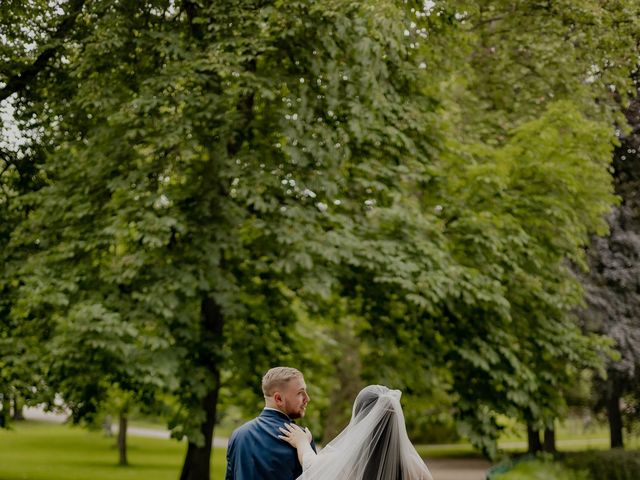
(277,397)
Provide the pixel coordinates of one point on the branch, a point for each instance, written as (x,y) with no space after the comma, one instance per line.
(2,185)
(485,21)
(6,167)
(191,10)
(19,82)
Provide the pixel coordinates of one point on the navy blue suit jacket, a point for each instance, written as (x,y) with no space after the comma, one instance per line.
(256,453)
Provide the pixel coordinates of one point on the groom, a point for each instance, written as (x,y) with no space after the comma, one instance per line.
(255,452)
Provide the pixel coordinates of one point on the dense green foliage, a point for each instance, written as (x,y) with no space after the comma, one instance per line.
(389,193)
(540,470)
(615,464)
(512,64)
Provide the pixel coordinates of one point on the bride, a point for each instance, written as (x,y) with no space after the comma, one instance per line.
(373,446)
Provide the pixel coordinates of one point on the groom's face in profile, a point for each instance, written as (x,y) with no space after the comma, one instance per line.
(293,398)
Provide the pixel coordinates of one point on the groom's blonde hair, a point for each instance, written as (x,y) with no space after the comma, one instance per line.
(277,378)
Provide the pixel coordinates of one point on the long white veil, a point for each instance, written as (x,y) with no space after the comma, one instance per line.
(374,446)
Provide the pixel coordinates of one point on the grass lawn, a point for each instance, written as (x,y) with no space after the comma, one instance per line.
(453,450)
(46,451)
(571,435)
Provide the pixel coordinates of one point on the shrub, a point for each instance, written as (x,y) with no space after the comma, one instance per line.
(540,470)
(616,464)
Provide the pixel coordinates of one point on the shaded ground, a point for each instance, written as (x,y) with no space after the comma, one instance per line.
(458,468)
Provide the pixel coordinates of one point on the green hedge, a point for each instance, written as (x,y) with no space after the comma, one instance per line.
(614,464)
(540,470)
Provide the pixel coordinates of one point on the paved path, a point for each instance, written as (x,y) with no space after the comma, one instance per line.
(35,413)
(458,468)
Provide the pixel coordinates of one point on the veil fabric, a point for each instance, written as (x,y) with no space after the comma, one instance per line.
(373,446)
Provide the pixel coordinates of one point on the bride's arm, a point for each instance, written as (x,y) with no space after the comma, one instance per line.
(300,440)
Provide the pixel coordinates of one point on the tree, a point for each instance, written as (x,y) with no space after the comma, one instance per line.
(23,25)
(527,66)
(612,288)
(195,180)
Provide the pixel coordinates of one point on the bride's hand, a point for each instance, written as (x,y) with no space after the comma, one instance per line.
(294,435)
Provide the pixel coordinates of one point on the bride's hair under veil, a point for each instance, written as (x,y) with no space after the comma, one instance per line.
(373,446)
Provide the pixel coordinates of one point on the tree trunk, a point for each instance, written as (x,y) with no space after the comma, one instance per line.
(17,409)
(5,413)
(549,440)
(197,464)
(122,440)
(533,439)
(348,382)
(614,414)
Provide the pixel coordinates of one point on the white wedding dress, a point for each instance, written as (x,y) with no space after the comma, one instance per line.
(374,446)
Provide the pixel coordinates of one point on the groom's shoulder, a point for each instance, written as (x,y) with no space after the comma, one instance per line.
(249,426)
